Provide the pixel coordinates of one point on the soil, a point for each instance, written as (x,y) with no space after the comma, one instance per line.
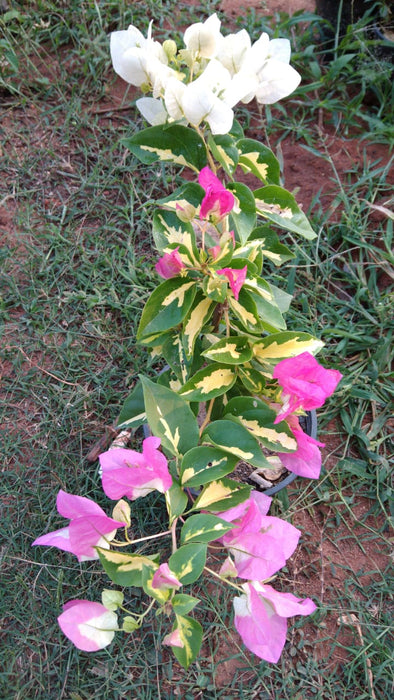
(319,567)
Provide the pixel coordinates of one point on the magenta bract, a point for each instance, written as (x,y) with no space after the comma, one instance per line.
(305,383)
(236,278)
(89,527)
(132,474)
(170,264)
(218,201)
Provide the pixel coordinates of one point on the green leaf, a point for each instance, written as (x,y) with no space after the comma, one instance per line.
(236,440)
(177,144)
(279,206)
(191,635)
(188,561)
(126,569)
(278,346)
(209,382)
(133,413)
(166,307)
(243,216)
(163,409)
(256,158)
(204,528)
(203,464)
(130,624)
(224,151)
(176,500)
(189,193)
(183,603)
(234,350)
(221,495)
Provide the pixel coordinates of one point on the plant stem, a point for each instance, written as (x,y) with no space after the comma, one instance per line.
(173,535)
(207,417)
(140,539)
(224,580)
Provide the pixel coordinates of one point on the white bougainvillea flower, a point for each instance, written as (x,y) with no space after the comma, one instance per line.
(90,626)
(204,38)
(153,110)
(233,51)
(276,80)
(173,96)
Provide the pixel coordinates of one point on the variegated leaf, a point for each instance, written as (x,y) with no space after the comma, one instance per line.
(279,206)
(203,464)
(234,350)
(253,380)
(175,143)
(187,562)
(126,569)
(256,158)
(190,634)
(166,307)
(270,245)
(267,308)
(278,346)
(204,528)
(236,440)
(197,317)
(243,216)
(221,495)
(245,310)
(209,382)
(133,412)
(258,419)
(163,409)
(224,151)
(170,232)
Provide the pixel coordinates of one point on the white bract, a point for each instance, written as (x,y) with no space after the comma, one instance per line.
(204,38)
(220,72)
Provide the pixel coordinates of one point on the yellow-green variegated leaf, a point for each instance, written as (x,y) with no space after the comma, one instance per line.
(190,634)
(234,350)
(209,382)
(270,245)
(133,412)
(259,419)
(164,409)
(256,158)
(197,317)
(253,380)
(267,308)
(279,206)
(176,144)
(166,307)
(245,310)
(188,561)
(221,495)
(278,346)
(203,464)
(170,232)
(126,569)
(236,440)
(224,151)
(204,528)
(243,216)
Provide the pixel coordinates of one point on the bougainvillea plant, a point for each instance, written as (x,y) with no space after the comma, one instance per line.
(235,382)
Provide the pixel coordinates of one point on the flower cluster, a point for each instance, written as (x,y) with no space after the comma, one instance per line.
(207,78)
(235,383)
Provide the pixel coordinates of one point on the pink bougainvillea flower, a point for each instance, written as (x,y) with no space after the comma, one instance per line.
(89,527)
(174,639)
(132,474)
(164,579)
(260,618)
(236,278)
(259,544)
(90,626)
(218,201)
(170,264)
(305,383)
(306,460)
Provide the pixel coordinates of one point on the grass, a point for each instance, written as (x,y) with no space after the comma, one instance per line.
(76,267)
